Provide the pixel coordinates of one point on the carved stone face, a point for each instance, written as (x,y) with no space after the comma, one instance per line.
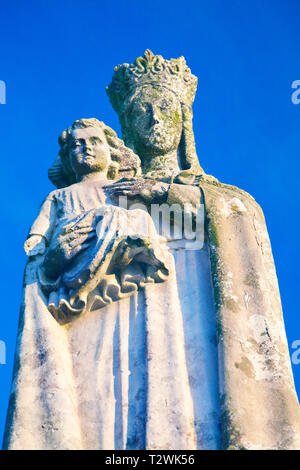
(89,151)
(155,121)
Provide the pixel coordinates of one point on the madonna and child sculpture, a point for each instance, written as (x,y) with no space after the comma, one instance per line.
(151,315)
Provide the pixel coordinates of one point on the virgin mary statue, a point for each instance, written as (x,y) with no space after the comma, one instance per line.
(228,290)
(135,334)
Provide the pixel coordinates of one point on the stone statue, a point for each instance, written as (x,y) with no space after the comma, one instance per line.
(257,399)
(85,253)
(88,251)
(133,336)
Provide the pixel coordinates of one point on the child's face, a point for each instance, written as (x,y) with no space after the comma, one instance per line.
(89,151)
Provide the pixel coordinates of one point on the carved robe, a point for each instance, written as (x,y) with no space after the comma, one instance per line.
(124,375)
(259,407)
(199,360)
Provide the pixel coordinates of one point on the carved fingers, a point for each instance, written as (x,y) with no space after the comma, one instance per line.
(124,188)
(80,239)
(146,189)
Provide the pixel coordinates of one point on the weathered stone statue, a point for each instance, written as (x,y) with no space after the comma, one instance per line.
(87,238)
(133,334)
(84,253)
(257,399)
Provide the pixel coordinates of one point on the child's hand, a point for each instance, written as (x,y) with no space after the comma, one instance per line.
(35,245)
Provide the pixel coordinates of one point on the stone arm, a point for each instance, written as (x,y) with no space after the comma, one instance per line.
(187,196)
(39,235)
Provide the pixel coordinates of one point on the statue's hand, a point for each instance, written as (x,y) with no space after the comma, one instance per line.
(150,191)
(35,245)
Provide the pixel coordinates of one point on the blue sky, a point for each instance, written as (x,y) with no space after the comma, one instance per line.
(56,58)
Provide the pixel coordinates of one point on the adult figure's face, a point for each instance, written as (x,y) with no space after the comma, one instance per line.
(89,151)
(155,121)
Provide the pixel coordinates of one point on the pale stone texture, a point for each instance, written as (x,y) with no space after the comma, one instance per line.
(259,405)
(196,359)
(139,373)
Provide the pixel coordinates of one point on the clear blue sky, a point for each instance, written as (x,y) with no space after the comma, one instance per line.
(57,56)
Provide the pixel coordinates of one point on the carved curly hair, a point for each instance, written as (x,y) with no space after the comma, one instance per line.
(124,161)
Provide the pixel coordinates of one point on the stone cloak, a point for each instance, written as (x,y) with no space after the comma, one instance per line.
(257,398)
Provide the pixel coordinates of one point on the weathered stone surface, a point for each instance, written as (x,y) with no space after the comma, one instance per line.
(153,98)
(148,344)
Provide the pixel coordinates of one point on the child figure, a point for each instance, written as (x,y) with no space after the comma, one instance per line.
(98,372)
(94,251)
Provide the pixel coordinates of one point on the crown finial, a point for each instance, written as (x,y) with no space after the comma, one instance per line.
(151,69)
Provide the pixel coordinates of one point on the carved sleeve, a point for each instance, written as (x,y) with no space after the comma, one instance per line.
(44,223)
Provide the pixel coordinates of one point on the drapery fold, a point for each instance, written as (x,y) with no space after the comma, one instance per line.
(133,374)
(259,405)
(98,257)
(126,376)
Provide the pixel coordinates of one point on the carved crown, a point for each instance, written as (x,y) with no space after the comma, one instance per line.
(151,69)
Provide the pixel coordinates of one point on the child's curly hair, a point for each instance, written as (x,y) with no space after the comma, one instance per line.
(124,161)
